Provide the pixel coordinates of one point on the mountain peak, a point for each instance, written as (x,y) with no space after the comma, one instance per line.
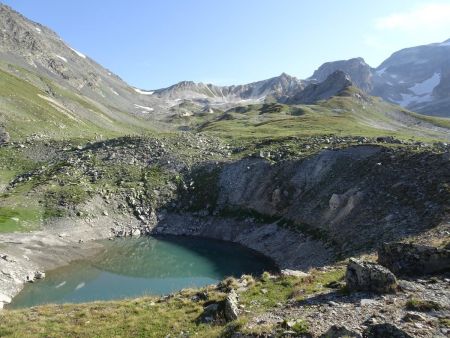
(333,85)
(359,71)
(285,75)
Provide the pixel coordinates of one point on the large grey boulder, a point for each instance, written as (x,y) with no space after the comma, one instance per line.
(368,276)
(413,260)
(231,310)
(210,312)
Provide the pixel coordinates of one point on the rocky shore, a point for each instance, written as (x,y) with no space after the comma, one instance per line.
(23,255)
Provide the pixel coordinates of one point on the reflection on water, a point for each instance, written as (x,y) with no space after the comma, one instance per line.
(136,267)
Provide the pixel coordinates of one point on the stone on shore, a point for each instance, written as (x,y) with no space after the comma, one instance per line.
(368,276)
(231,310)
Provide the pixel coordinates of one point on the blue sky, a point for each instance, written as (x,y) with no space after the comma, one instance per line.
(153,44)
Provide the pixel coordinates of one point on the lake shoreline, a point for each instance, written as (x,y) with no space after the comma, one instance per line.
(70,239)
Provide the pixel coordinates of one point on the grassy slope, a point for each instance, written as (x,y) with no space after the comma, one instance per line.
(26,109)
(156,317)
(341,115)
(18,210)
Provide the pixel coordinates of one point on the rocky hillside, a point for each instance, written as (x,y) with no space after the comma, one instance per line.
(308,203)
(50,89)
(333,85)
(40,50)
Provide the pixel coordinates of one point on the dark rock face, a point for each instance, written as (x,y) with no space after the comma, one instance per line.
(414,260)
(340,332)
(334,84)
(367,276)
(359,71)
(384,331)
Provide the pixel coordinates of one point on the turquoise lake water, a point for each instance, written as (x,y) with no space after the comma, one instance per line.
(129,268)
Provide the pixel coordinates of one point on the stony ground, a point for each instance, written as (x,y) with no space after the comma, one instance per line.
(357,311)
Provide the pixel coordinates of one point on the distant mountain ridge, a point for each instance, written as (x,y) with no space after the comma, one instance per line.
(417,78)
(278,88)
(48,85)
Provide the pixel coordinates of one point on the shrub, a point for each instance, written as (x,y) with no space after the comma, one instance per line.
(422,305)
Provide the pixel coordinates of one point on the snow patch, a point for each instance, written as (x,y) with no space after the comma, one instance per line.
(116,93)
(381,71)
(143,92)
(408,99)
(78,53)
(146,109)
(427,86)
(38,29)
(62,58)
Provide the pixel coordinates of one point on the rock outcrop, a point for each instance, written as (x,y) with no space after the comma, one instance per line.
(413,260)
(333,85)
(231,310)
(357,69)
(367,276)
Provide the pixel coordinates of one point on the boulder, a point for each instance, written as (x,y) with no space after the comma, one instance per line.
(231,309)
(39,275)
(210,313)
(294,273)
(136,233)
(383,331)
(413,260)
(340,332)
(368,276)
(4,136)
